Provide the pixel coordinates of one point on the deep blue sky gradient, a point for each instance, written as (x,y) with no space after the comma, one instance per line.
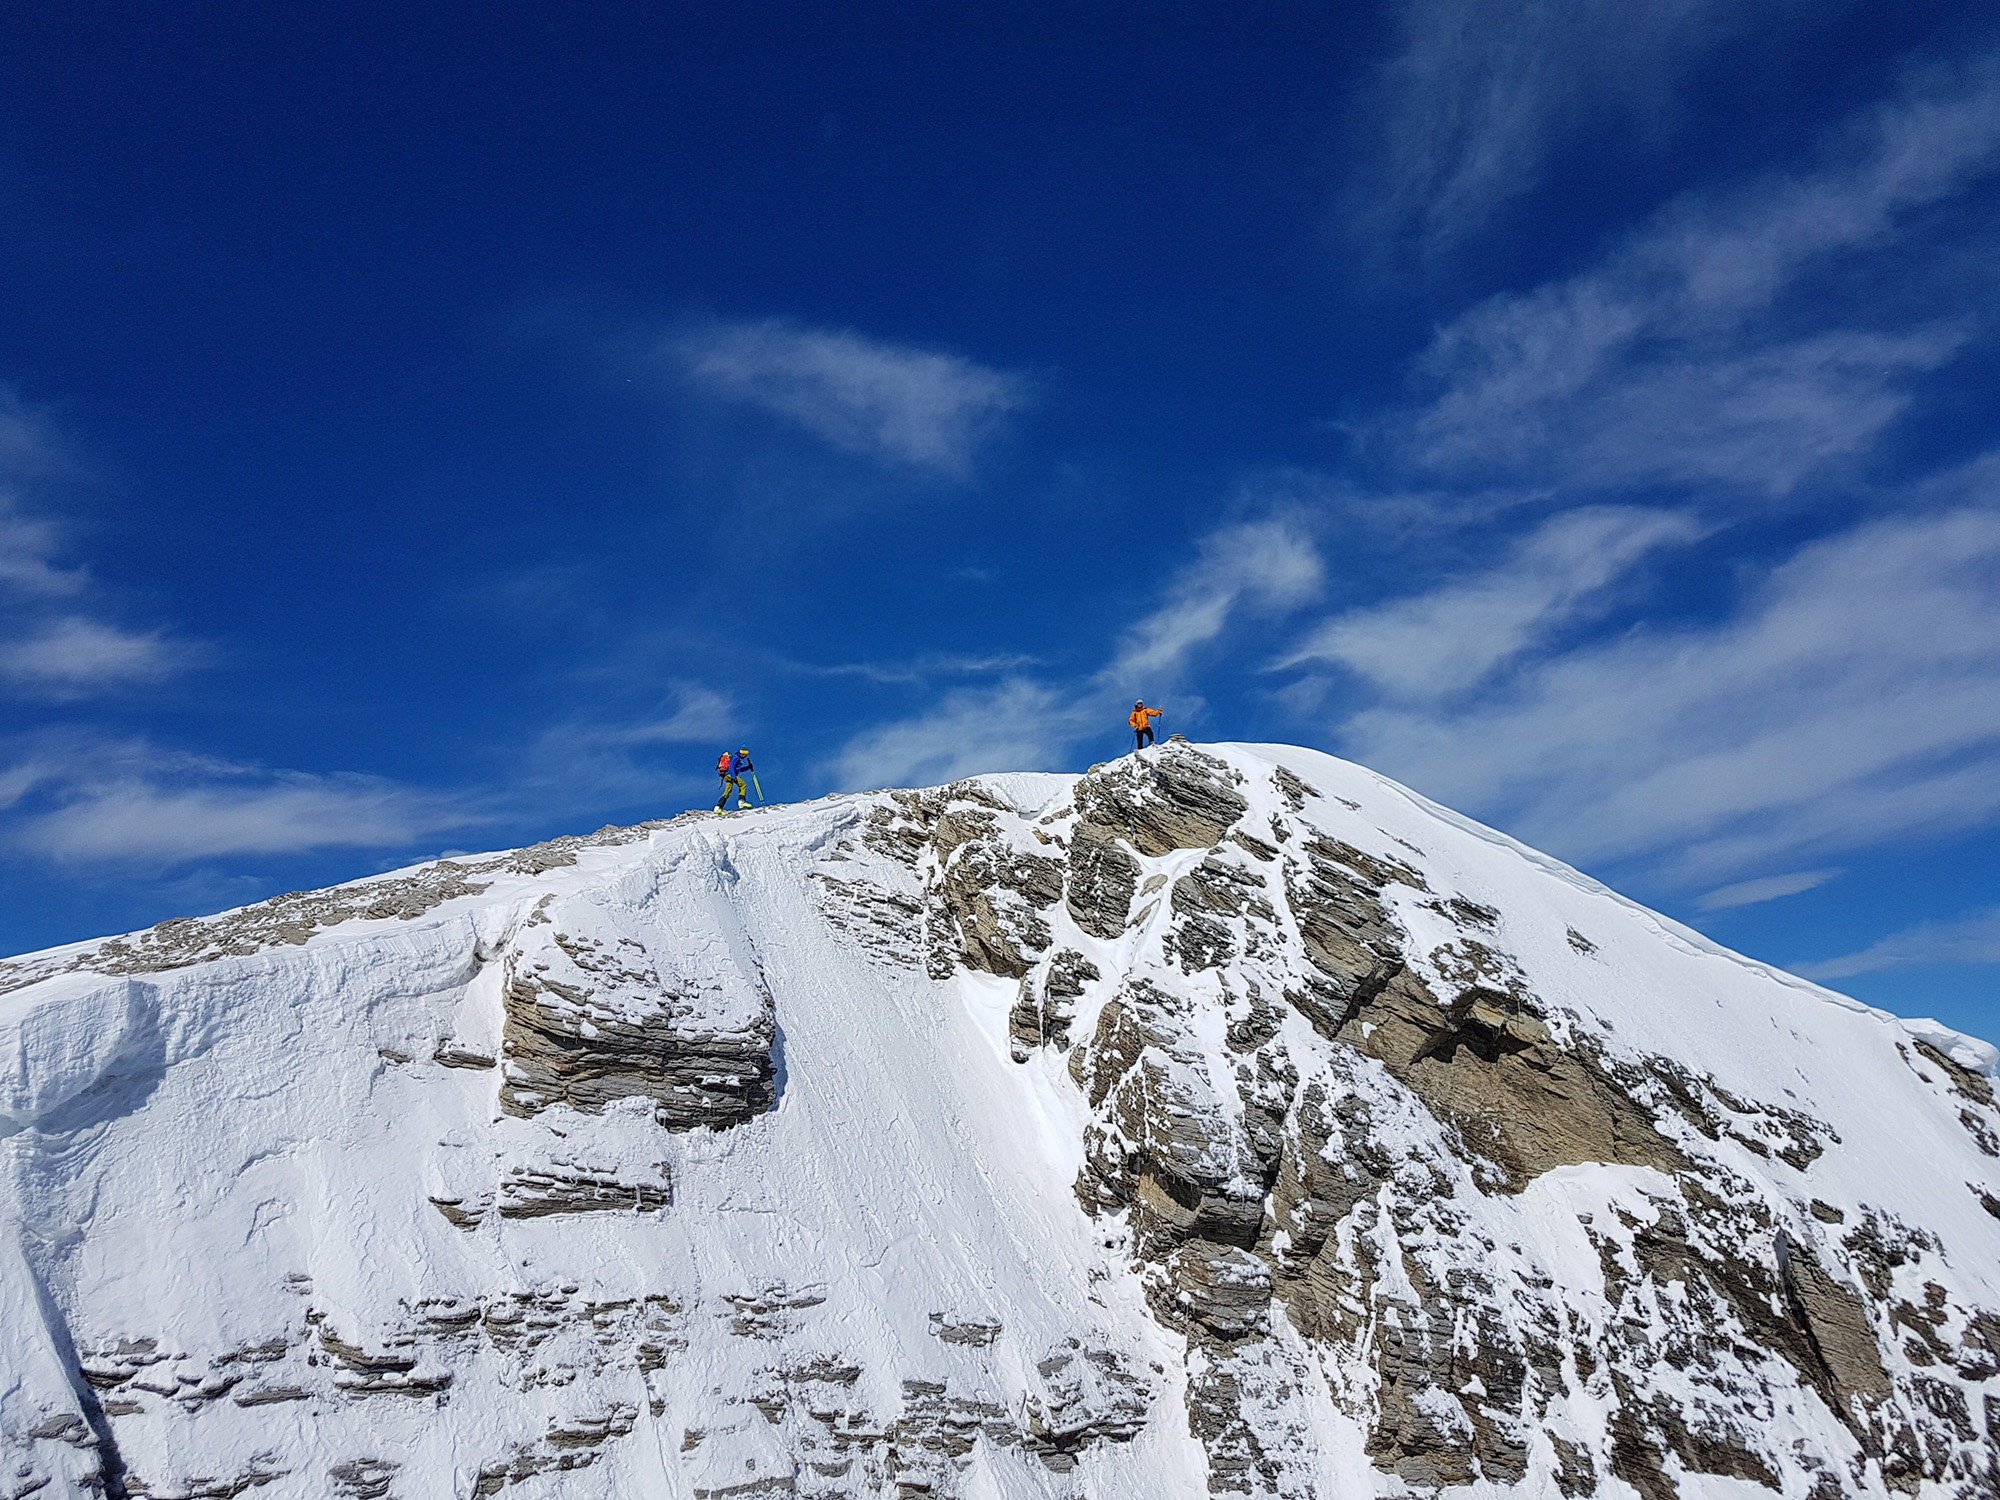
(376,481)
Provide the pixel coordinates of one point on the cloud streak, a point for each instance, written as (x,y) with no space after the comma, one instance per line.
(1479,89)
(1744,354)
(27,557)
(909,407)
(1970,940)
(1669,361)
(1768,888)
(72,655)
(585,760)
(1267,565)
(48,646)
(1438,644)
(1018,724)
(84,801)
(1853,696)
(928,667)
(1254,565)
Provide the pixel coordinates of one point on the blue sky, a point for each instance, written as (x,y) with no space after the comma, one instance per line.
(441,430)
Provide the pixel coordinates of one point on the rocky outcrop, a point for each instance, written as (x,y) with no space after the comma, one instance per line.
(1844,1364)
(1163,1143)
(1221,1291)
(1178,799)
(982,894)
(1102,880)
(1047,1004)
(1487,1067)
(1484,1063)
(1214,890)
(1439,1077)
(416,1360)
(993,898)
(813,1421)
(292,919)
(531,1193)
(590,1020)
(1088,1396)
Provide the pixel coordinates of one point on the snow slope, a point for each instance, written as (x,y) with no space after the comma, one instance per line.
(1229,1119)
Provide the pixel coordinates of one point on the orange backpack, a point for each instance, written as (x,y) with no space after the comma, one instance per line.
(722,765)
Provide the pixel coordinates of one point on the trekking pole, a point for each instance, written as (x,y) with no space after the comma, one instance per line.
(757,784)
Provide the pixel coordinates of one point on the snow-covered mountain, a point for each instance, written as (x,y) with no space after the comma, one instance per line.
(1227,1120)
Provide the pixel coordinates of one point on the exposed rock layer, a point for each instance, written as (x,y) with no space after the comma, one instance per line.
(590,1020)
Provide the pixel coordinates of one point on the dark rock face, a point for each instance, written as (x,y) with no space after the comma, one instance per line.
(1448,1339)
(982,897)
(993,901)
(590,1020)
(1180,800)
(1163,1145)
(1043,1014)
(1483,1063)
(1843,1362)
(1092,1396)
(1488,1068)
(1215,889)
(1223,1291)
(531,1194)
(1102,880)
(987,896)
(1248,1179)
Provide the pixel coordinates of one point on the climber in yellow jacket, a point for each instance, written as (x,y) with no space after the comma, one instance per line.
(1141,719)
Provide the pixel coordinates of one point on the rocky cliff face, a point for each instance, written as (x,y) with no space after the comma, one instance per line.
(590,1021)
(1224,1121)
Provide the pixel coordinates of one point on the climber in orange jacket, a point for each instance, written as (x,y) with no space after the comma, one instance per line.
(1141,719)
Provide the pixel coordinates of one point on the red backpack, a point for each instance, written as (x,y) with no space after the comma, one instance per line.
(722,765)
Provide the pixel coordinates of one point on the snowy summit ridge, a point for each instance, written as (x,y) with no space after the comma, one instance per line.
(1226,1120)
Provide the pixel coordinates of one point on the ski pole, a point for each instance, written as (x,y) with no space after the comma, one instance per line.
(757,784)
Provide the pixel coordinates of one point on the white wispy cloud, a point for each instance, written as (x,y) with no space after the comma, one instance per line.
(1443,642)
(1665,362)
(1269,564)
(581,760)
(49,644)
(28,567)
(79,799)
(1854,696)
(906,406)
(1737,351)
(1012,726)
(73,654)
(86,796)
(136,821)
(929,667)
(31,448)
(1479,91)
(1765,888)
(696,713)
(1970,940)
